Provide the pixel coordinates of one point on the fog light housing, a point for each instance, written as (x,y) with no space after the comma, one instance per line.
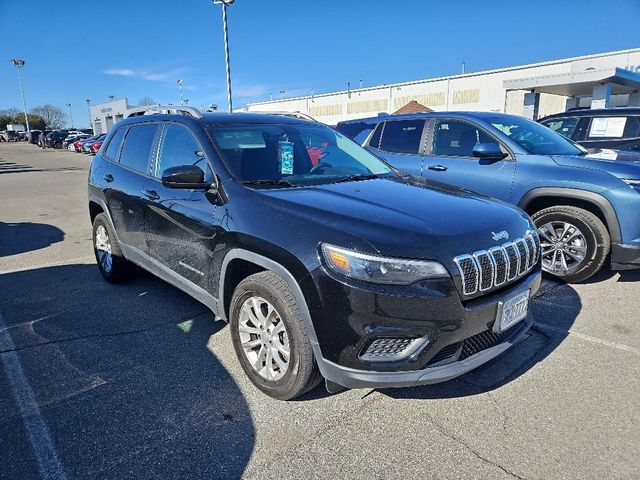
(393,349)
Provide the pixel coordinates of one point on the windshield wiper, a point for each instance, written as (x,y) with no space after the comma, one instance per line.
(269,183)
(355,178)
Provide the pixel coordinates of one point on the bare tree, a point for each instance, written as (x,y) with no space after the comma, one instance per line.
(53,116)
(147,101)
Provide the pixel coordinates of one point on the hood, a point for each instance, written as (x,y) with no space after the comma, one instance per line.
(404,217)
(618,163)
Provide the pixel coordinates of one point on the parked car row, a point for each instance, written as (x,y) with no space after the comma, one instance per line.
(73,140)
(368,267)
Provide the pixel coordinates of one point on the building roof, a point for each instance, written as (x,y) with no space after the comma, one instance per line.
(451,77)
(412,107)
(579,84)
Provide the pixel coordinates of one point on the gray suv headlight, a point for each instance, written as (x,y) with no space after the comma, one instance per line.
(375,269)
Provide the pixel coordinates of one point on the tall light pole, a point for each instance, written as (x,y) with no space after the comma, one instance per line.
(89,110)
(180,82)
(19,64)
(70,114)
(225,4)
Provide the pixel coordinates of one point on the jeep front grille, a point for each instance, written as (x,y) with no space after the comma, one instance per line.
(491,268)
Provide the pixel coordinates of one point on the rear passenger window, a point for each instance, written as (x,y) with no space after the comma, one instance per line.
(114,144)
(137,147)
(402,136)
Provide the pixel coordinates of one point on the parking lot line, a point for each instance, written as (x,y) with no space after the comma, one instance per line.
(39,437)
(588,338)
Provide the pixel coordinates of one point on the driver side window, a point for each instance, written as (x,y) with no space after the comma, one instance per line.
(455,138)
(179,147)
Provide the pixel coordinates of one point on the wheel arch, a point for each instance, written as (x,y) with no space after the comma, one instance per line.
(540,198)
(252,263)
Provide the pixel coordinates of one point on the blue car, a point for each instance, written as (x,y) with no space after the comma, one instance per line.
(586,206)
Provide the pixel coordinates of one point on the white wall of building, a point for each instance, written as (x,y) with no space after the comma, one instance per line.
(478,91)
(105,115)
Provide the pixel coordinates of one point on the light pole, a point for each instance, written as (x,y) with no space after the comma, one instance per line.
(225,4)
(282,92)
(89,110)
(180,82)
(70,114)
(19,64)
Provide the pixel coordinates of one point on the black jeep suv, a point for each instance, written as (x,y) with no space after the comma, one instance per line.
(326,261)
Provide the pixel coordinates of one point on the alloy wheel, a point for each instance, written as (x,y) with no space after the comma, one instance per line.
(264,338)
(564,247)
(103,248)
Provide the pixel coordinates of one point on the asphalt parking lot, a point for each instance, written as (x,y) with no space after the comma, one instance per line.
(138,381)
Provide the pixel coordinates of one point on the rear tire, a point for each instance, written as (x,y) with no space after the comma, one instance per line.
(265,322)
(111,263)
(575,243)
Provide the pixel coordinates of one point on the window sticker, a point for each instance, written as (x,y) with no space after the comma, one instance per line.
(612,127)
(285,150)
(239,139)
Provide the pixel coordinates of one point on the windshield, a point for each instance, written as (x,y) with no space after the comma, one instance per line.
(293,155)
(533,137)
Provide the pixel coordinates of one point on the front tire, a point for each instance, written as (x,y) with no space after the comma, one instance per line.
(575,243)
(111,263)
(270,338)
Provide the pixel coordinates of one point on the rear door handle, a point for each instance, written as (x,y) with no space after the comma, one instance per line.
(108,177)
(151,194)
(437,168)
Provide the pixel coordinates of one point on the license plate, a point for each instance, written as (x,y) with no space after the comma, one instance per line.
(511,311)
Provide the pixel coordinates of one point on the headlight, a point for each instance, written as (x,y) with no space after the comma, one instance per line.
(632,183)
(375,269)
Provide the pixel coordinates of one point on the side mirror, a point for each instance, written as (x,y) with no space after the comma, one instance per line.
(184,176)
(489,151)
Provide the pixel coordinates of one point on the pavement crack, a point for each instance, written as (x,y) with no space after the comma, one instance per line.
(102,335)
(499,410)
(471,450)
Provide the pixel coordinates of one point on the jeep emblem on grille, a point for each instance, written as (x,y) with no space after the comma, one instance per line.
(503,235)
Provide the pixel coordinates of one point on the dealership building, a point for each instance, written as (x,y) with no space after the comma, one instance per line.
(104,115)
(598,81)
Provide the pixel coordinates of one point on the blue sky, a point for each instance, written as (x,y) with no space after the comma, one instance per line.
(134,48)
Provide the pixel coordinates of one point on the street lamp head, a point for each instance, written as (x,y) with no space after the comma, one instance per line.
(17,62)
(225,2)
(179,82)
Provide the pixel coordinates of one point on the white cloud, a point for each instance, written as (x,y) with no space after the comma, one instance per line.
(123,72)
(250,91)
(153,76)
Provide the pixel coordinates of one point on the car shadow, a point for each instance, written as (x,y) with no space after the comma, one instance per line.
(555,308)
(606,274)
(26,236)
(124,376)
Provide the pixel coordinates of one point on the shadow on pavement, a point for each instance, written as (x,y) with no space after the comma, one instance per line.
(606,273)
(26,236)
(123,377)
(555,308)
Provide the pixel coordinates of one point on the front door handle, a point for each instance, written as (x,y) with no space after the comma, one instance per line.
(437,168)
(151,194)
(108,177)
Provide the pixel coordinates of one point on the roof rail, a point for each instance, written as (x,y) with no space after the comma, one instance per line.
(170,109)
(300,115)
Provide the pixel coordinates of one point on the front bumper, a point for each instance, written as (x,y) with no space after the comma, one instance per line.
(625,257)
(352,378)
(349,315)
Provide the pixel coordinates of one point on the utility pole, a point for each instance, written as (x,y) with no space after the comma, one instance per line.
(225,4)
(70,114)
(180,82)
(19,64)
